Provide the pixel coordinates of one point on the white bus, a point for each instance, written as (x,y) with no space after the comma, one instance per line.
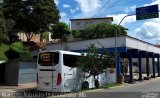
(56,72)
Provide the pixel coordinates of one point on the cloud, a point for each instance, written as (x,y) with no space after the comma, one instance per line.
(149,30)
(87,6)
(56,1)
(153,3)
(74,10)
(62,14)
(66,6)
(64,18)
(130,9)
(117,18)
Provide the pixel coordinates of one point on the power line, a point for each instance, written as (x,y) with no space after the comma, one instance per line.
(101,8)
(96,12)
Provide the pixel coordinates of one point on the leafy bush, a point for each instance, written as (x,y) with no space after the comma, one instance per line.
(3,38)
(17,50)
(101,30)
(3,49)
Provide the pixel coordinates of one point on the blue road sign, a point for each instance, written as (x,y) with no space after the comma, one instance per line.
(147,12)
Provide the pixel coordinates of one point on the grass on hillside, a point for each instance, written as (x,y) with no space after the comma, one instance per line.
(3,49)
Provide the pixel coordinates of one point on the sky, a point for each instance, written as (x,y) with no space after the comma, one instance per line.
(146,30)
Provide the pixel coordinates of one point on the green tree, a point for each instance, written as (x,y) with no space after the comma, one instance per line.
(2,25)
(95,62)
(60,31)
(31,16)
(2,21)
(6,26)
(100,31)
(45,35)
(11,33)
(3,49)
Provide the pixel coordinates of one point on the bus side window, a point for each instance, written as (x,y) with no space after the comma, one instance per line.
(56,58)
(70,60)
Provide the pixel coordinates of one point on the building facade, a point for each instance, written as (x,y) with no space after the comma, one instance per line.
(80,24)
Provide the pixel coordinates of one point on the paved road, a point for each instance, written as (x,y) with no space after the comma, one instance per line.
(152,85)
(144,89)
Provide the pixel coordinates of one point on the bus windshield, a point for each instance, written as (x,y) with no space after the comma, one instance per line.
(48,58)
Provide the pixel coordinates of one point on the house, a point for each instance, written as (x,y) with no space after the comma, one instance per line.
(80,24)
(22,37)
(38,38)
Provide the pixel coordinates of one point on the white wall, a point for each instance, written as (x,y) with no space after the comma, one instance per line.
(27,72)
(81,45)
(143,65)
(125,41)
(137,44)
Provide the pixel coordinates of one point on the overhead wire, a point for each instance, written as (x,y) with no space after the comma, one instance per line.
(96,13)
(101,8)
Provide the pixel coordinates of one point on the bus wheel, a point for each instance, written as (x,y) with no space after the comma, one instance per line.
(85,85)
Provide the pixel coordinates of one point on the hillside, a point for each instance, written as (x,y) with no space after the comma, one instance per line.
(3,49)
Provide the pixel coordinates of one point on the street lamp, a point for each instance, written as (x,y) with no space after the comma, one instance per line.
(117,31)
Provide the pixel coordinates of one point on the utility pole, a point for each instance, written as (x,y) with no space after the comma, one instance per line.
(117,31)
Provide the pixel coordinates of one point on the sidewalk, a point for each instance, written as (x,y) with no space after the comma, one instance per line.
(124,85)
(27,86)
